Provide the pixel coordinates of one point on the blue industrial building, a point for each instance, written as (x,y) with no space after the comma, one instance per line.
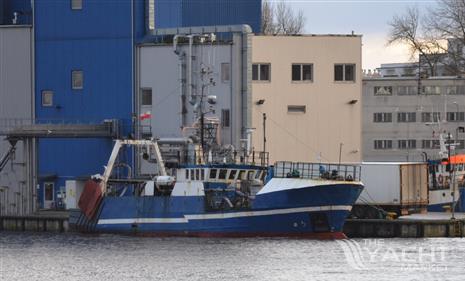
(84,68)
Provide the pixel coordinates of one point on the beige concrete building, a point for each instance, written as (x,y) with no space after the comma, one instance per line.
(310,89)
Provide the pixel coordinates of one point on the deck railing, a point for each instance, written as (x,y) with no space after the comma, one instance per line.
(340,172)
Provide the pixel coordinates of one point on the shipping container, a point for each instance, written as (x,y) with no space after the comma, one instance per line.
(392,187)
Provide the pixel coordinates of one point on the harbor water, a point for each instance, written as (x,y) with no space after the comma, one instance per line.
(60,257)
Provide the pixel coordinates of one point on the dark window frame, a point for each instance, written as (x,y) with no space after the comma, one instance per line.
(51,95)
(344,70)
(74,79)
(258,70)
(76,5)
(299,75)
(144,97)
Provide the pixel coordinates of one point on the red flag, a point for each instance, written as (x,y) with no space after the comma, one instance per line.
(146,115)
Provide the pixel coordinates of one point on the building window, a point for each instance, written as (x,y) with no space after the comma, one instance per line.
(430,144)
(407,90)
(261,72)
(460,90)
(302,72)
(296,108)
(383,91)
(47,98)
(77,77)
(151,14)
(409,72)
(225,72)
(384,117)
(407,144)
(451,90)
(431,90)
(460,144)
(406,117)
(49,191)
(455,116)
(76,4)
(225,118)
(146,97)
(427,117)
(383,144)
(344,72)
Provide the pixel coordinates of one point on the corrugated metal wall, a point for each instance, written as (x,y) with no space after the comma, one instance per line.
(99,41)
(222,12)
(17,192)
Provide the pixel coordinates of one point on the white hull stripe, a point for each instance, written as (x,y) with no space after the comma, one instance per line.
(186,218)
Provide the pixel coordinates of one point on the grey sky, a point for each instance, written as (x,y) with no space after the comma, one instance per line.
(369,18)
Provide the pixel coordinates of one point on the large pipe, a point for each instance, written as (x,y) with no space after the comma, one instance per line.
(244,28)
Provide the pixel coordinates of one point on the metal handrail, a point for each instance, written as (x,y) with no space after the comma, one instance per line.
(328,171)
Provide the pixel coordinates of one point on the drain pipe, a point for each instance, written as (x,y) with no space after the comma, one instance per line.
(181,55)
(189,71)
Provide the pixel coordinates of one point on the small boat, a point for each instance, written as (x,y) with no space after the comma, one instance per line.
(225,198)
(444,179)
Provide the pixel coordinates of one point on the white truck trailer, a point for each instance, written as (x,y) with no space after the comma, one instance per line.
(392,187)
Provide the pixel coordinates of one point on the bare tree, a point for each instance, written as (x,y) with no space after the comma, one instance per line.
(281,19)
(447,22)
(405,30)
(268,26)
(438,37)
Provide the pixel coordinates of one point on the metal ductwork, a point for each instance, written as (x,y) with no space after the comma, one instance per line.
(244,28)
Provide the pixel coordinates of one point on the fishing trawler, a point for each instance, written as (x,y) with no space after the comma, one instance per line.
(231,198)
(446,179)
(199,186)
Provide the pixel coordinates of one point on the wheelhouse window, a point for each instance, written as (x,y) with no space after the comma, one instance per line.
(213,173)
(261,72)
(232,174)
(222,175)
(192,174)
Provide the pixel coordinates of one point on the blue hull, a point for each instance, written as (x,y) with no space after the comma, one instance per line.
(317,211)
